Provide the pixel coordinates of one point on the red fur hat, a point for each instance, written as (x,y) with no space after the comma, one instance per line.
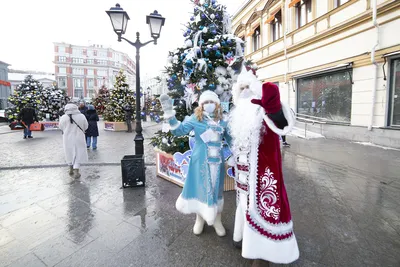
(270,100)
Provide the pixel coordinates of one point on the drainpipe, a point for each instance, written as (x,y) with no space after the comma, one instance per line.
(285,32)
(373,61)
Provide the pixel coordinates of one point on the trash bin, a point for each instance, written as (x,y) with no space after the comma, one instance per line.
(133,171)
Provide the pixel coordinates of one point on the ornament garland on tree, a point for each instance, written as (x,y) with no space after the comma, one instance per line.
(53,102)
(119,97)
(210,59)
(101,99)
(28,92)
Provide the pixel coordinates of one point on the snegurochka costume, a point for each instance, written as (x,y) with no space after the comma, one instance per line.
(202,192)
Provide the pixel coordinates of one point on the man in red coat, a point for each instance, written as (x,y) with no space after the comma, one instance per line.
(263,223)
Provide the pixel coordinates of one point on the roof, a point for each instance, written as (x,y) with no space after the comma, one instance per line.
(2,62)
(21,76)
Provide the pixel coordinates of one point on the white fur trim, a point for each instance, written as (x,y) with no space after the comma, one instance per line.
(209,96)
(256,246)
(208,213)
(289,117)
(174,127)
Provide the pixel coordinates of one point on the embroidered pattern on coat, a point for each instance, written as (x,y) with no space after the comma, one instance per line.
(268,195)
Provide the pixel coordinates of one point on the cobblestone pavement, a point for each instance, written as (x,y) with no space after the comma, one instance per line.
(344,199)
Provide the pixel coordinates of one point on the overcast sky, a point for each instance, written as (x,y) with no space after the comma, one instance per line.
(29,28)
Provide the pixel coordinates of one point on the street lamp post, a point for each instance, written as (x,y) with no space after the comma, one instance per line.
(119,19)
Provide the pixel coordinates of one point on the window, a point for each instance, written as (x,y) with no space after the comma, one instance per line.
(62,59)
(101,73)
(62,70)
(77,71)
(90,72)
(78,87)
(61,49)
(395,93)
(77,60)
(77,51)
(102,62)
(326,96)
(102,54)
(100,82)
(256,38)
(90,93)
(303,13)
(90,61)
(338,3)
(276,26)
(90,83)
(62,82)
(89,53)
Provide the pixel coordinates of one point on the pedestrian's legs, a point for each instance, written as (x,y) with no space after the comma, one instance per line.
(284,138)
(76,170)
(94,142)
(25,132)
(129,124)
(88,141)
(28,130)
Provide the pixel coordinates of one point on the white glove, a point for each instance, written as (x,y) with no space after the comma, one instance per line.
(231,161)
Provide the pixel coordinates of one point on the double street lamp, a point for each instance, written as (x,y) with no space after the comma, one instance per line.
(119,19)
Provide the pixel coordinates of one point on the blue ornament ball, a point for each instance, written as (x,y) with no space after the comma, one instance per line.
(217,15)
(206,5)
(201,27)
(206,52)
(229,41)
(214,32)
(215,47)
(192,18)
(203,16)
(153,103)
(174,77)
(218,54)
(210,65)
(212,86)
(142,113)
(213,2)
(223,43)
(189,63)
(189,31)
(185,34)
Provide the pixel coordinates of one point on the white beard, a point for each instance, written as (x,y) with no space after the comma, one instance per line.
(245,122)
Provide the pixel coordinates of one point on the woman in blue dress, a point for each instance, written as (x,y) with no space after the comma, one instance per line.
(202,192)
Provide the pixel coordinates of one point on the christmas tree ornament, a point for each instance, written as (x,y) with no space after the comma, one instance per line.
(189,43)
(205,30)
(212,87)
(218,53)
(212,16)
(189,63)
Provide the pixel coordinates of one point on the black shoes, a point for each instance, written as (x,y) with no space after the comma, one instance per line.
(285,144)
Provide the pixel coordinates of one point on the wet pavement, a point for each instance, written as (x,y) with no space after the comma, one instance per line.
(344,199)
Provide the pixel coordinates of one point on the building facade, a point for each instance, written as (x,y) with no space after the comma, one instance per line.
(82,70)
(5,86)
(337,62)
(15,78)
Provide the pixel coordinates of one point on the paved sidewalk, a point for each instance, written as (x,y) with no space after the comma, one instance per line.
(344,199)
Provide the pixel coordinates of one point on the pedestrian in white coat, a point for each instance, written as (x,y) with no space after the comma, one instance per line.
(74,125)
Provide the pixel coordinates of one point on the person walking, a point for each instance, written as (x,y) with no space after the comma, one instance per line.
(128,116)
(28,116)
(285,144)
(73,124)
(93,131)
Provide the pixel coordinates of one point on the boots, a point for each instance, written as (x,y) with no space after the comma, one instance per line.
(76,174)
(199,225)
(71,170)
(219,228)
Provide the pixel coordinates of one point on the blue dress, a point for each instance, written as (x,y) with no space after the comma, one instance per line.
(203,189)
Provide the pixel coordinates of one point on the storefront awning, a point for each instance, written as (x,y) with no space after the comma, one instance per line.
(293,3)
(336,68)
(5,83)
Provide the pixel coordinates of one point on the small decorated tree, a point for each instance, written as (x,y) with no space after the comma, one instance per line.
(119,97)
(28,92)
(101,99)
(53,102)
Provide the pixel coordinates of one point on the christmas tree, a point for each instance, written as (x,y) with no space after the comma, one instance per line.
(101,99)
(53,102)
(119,97)
(28,92)
(154,109)
(210,59)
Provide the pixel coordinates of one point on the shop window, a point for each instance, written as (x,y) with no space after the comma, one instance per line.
(338,3)
(394,119)
(303,13)
(62,82)
(326,96)
(276,26)
(256,38)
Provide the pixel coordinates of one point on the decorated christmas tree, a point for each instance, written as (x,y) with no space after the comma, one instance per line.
(29,91)
(119,97)
(210,59)
(154,109)
(53,102)
(101,99)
